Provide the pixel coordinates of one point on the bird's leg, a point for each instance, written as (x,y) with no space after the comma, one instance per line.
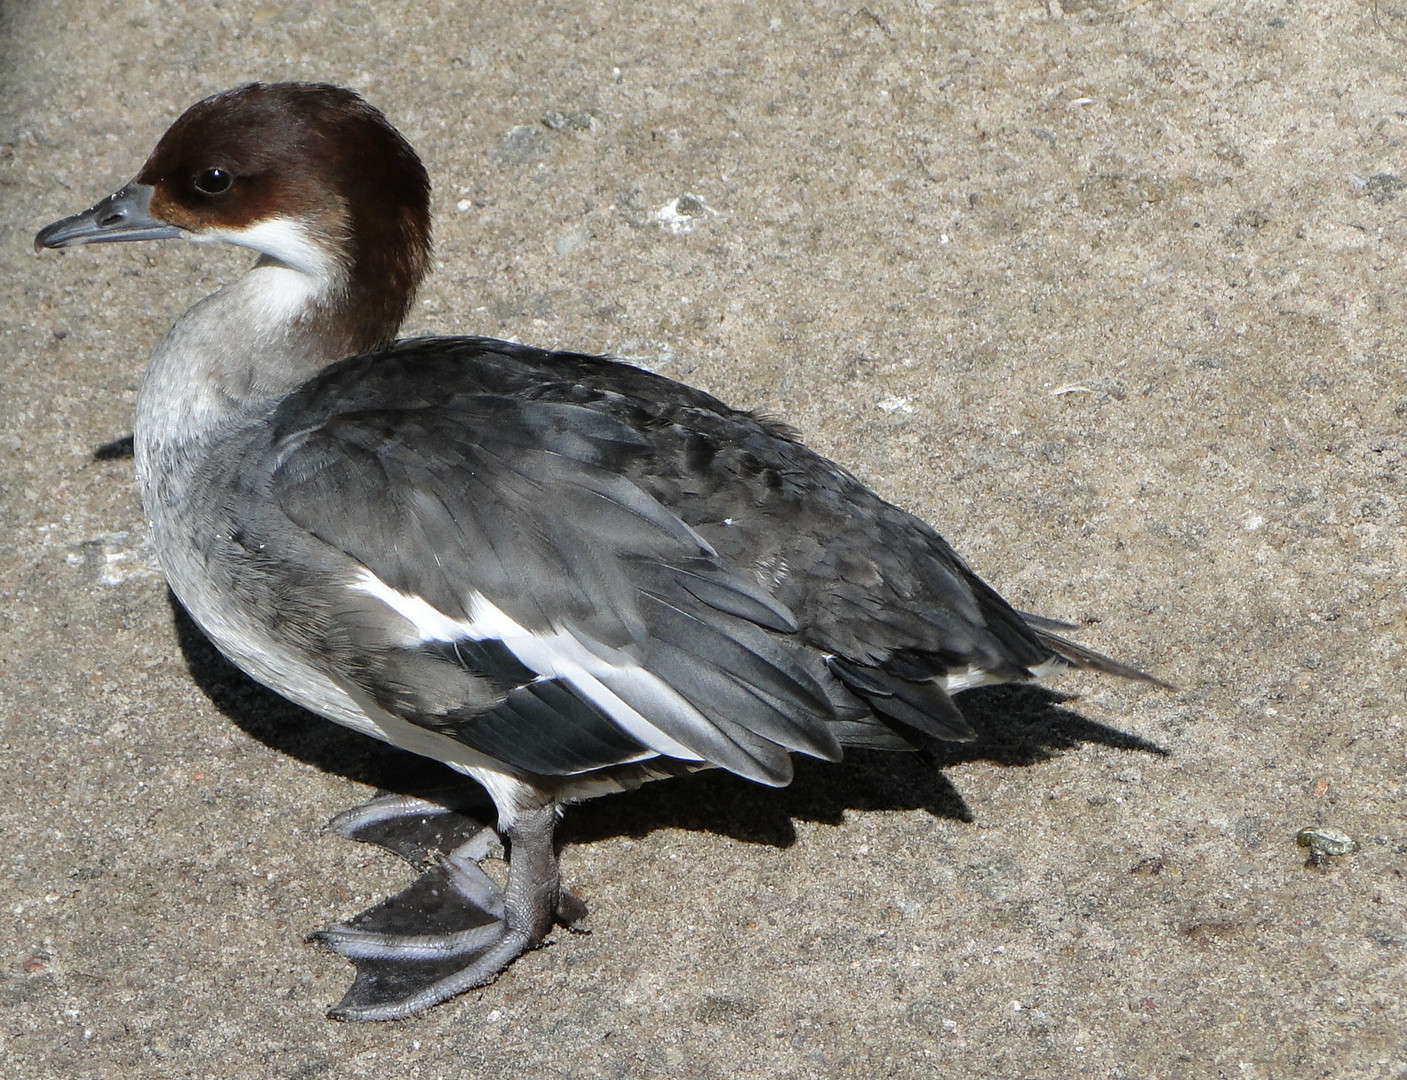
(453,928)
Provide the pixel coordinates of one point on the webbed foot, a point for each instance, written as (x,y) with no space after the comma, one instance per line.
(454,927)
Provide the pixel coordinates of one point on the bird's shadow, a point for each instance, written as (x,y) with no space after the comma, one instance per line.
(1017,726)
(119,449)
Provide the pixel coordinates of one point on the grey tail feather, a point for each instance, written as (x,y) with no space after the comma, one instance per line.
(1082,657)
(1045,622)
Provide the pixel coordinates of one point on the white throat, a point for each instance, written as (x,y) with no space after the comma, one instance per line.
(236,353)
(295,272)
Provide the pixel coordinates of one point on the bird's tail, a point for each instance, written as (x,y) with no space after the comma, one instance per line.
(1079,656)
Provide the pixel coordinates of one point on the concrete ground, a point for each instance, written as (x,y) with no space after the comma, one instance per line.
(1110,292)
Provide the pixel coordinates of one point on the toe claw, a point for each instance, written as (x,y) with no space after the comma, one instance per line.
(571,909)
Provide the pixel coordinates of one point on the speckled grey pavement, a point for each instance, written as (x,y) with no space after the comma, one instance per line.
(1113,294)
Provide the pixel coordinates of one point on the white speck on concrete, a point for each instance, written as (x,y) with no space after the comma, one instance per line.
(683,215)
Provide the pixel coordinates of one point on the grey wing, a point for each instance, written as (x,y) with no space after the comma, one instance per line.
(508,586)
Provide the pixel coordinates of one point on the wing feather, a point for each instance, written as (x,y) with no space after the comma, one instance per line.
(581,565)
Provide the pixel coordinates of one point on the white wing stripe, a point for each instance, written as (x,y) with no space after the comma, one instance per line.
(975,676)
(559,655)
(430,622)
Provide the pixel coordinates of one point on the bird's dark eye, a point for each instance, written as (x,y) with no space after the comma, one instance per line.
(214,181)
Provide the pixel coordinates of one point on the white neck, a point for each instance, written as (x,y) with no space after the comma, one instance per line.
(229,359)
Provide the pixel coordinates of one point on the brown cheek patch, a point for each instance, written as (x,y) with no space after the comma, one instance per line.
(164,208)
(251,200)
